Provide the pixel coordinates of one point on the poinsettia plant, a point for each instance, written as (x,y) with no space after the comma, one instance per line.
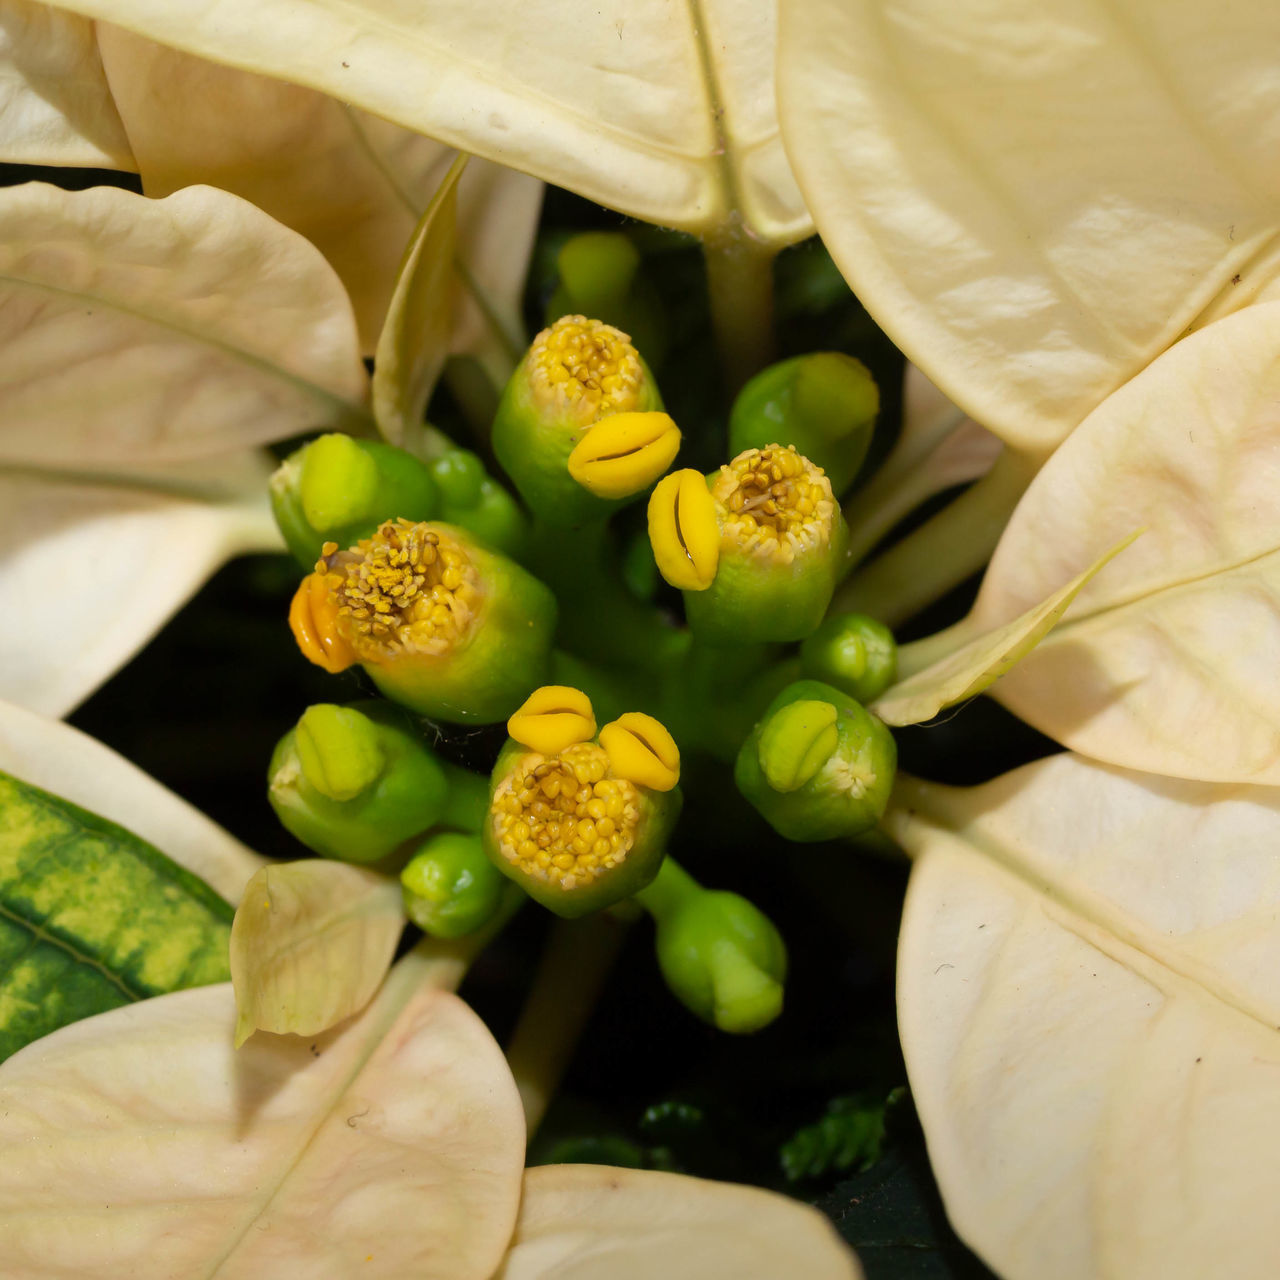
(620,641)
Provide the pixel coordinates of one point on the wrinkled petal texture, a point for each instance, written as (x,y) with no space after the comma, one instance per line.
(139,1143)
(310,945)
(1035,200)
(350,183)
(162,330)
(103,564)
(52,755)
(1167,661)
(590,1222)
(662,111)
(55,103)
(1089,1014)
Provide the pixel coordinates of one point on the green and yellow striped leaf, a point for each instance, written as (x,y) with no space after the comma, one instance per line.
(92,917)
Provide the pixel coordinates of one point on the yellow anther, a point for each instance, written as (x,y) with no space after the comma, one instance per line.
(549,832)
(585,367)
(642,751)
(776,502)
(410,588)
(684,531)
(551,719)
(624,453)
(313,617)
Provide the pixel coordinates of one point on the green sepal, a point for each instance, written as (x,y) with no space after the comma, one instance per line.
(340,489)
(408,794)
(533,442)
(854,652)
(754,600)
(721,956)
(506,654)
(845,796)
(450,887)
(824,403)
(658,813)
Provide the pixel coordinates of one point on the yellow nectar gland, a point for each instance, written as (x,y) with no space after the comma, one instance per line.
(409,589)
(562,818)
(585,367)
(776,503)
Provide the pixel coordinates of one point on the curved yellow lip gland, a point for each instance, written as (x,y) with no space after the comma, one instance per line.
(776,503)
(409,589)
(562,819)
(624,453)
(641,750)
(585,368)
(313,619)
(684,531)
(552,718)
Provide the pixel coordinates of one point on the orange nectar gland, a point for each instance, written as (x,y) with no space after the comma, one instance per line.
(585,368)
(777,504)
(409,589)
(563,819)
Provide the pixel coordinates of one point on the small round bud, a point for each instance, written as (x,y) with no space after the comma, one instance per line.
(824,403)
(354,783)
(720,955)
(450,888)
(339,489)
(853,652)
(848,791)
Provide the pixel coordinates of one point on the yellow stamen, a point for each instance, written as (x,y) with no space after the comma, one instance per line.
(641,750)
(684,531)
(543,816)
(553,718)
(777,504)
(409,589)
(585,367)
(313,618)
(624,453)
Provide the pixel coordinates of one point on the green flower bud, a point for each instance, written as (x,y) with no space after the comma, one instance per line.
(757,548)
(577,373)
(580,823)
(441,625)
(721,956)
(474,501)
(354,783)
(339,489)
(809,783)
(450,888)
(600,276)
(825,404)
(854,653)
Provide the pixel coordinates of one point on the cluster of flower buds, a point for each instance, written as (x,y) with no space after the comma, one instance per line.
(414,579)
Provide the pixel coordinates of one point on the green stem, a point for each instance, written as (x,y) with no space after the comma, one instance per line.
(720,693)
(671,887)
(942,552)
(468,800)
(571,975)
(600,620)
(740,282)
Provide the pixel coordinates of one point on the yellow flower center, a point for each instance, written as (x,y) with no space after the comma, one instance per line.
(562,818)
(587,368)
(410,588)
(776,503)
